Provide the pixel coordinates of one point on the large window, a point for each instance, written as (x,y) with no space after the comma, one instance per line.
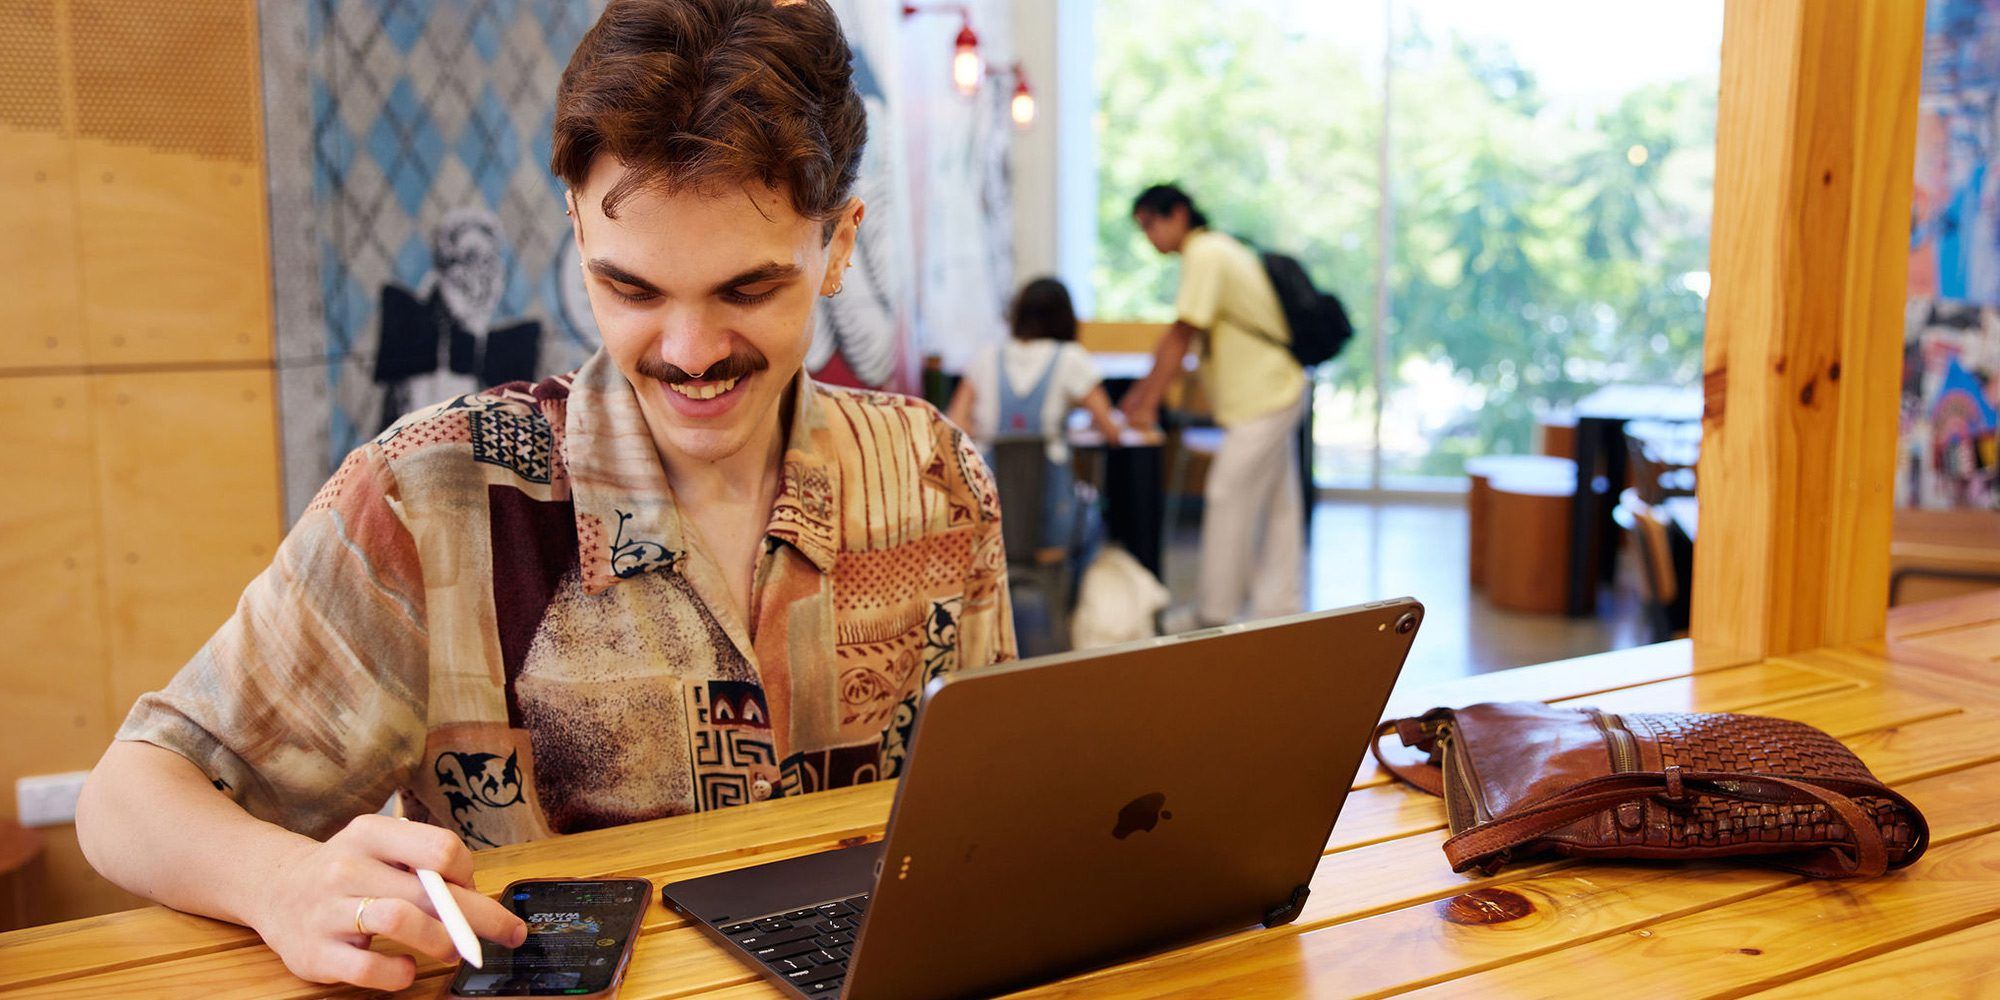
(1546,168)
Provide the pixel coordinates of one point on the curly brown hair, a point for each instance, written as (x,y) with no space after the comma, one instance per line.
(700,94)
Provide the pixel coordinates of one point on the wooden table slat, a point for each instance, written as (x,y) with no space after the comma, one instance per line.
(1959,964)
(1775,937)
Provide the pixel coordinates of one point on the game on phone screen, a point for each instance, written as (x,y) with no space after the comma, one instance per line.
(578,933)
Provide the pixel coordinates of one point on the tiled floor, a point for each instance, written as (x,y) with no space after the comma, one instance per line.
(1365,550)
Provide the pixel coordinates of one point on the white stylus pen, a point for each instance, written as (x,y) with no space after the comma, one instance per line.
(462,937)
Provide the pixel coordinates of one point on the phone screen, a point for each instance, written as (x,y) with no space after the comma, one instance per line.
(577,934)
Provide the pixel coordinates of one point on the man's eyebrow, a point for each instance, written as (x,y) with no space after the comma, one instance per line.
(772,271)
(604,268)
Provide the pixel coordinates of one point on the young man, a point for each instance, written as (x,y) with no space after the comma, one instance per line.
(679,578)
(1252,530)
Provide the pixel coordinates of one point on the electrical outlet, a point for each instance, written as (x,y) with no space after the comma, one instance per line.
(48,799)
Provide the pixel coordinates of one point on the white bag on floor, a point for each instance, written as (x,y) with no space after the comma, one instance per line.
(1116,601)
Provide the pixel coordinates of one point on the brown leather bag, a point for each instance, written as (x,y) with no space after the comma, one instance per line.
(1523,779)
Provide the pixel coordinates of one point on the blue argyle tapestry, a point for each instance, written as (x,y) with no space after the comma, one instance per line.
(418,239)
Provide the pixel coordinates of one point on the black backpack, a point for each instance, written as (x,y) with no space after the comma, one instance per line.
(1320,327)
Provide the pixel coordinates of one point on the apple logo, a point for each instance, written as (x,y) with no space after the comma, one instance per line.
(1142,813)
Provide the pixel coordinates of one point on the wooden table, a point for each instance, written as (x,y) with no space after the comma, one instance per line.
(1385,916)
(1127,474)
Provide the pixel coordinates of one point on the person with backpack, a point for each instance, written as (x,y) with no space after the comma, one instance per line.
(1252,533)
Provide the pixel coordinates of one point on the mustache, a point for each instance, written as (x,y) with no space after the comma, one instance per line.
(739,363)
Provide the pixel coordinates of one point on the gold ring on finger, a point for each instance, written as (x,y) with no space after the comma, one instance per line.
(358,912)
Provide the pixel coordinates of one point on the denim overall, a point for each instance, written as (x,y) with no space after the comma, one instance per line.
(1021,416)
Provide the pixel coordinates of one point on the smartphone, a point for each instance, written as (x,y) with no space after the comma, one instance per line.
(580,935)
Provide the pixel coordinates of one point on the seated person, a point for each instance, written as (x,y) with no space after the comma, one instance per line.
(1027,386)
(681,577)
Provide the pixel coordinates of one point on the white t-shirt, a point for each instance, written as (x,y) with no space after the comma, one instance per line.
(1021,362)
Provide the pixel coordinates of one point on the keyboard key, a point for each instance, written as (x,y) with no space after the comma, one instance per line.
(824,957)
(828,941)
(734,929)
(773,925)
(799,915)
(831,910)
(826,986)
(781,952)
(831,973)
(760,939)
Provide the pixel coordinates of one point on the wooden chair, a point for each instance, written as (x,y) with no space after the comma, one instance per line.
(1659,582)
(1935,554)
(1661,458)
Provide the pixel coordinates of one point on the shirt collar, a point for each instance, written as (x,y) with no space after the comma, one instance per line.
(806,515)
(626,521)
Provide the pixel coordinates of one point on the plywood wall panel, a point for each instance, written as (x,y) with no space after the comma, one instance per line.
(53,704)
(172,252)
(40,310)
(37,202)
(188,465)
(167,117)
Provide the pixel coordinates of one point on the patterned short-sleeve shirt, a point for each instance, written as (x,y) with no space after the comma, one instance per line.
(493,609)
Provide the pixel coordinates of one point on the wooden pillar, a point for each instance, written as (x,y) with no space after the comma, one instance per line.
(1815,142)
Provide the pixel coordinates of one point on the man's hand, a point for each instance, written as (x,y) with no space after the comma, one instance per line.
(1141,404)
(314,916)
(1141,409)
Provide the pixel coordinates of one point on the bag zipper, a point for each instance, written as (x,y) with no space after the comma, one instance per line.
(1464,807)
(1624,750)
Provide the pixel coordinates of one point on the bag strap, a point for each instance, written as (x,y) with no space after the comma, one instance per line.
(1868,857)
(1424,777)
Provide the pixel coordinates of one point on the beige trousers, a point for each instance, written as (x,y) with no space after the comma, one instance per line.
(1253,527)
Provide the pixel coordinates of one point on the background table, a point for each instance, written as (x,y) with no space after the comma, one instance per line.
(1128,475)
(1385,916)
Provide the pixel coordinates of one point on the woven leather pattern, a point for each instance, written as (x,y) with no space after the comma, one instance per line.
(1756,745)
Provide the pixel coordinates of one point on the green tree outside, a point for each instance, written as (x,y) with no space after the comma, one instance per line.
(1537,252)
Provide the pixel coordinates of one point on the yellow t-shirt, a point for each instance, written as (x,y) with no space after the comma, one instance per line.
(1225,292)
